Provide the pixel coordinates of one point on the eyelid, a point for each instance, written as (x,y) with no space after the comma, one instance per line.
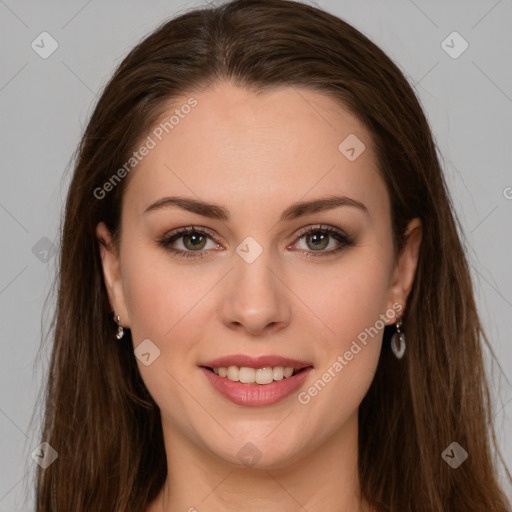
(320,227)
(191,229)
(213,235)
(177,233)
(343,239)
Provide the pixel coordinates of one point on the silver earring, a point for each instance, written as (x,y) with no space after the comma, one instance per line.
(398,340)
(120,330)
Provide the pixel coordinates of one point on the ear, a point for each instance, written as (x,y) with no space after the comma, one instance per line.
(112,273)
(405,267)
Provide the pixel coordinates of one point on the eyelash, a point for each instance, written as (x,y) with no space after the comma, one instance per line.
(343,239)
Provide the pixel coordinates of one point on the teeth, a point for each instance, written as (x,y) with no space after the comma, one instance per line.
(248,375)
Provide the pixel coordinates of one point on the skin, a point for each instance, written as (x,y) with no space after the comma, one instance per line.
(256,155)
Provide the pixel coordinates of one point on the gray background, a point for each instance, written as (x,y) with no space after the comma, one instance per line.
(45,104)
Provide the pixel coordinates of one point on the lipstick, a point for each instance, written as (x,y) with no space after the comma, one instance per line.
(253,394)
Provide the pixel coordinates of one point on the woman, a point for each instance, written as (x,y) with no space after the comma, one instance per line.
(263,300)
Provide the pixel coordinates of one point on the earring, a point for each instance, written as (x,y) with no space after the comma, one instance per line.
(398,338)
(120,330)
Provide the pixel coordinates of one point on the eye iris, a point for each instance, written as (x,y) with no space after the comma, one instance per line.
(319,240)
(196,239)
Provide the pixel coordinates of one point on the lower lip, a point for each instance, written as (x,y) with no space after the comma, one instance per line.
(253,395)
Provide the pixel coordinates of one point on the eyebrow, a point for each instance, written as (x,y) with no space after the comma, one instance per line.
(294,211)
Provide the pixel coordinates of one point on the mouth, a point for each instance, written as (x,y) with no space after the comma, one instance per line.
(262,376)
(260,370)
(256,381)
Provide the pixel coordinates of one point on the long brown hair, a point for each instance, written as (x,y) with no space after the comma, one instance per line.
(98,414)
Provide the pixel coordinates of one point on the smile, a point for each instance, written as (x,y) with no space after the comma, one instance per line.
(252,394)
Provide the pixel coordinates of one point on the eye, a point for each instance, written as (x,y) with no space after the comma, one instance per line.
(192,240)
(319,238)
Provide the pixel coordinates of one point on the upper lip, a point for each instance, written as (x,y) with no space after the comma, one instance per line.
(256,362)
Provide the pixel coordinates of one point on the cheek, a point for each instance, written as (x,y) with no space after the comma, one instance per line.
(348,297)
(349,301)
(336,302)
(159,295)
(149,302)
(167,305)
(162,303)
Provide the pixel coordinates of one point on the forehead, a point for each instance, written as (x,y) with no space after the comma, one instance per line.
(241,149)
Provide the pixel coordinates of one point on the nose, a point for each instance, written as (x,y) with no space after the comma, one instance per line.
(255,298)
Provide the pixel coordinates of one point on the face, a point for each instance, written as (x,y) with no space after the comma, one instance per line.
(258,275)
